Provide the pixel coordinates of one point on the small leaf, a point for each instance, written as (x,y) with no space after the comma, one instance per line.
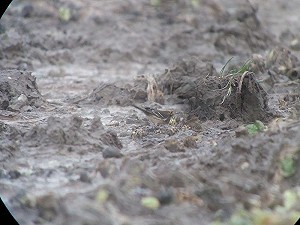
(256,127)
(195,3)
(223,68)
(287,166)
(150,202)
(260,126)
(64,14)
(102,196)
(290,198)
(155,3)
(252,129)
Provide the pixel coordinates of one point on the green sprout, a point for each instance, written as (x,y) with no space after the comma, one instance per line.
(223,68)
(288,166)
(102,196)
(195,3)
(155,3)
(232,76)
(256,127)
(150,202)
(288,213)
(257,216)
(290,199)
(64,14)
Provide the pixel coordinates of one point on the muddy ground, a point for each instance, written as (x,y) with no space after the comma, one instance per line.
(73,150)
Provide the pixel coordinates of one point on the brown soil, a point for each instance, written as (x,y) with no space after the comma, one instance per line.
(73,150)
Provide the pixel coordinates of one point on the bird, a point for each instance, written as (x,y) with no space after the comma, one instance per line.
(156,116)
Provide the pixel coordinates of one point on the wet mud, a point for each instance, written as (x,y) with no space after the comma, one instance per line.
(150,112)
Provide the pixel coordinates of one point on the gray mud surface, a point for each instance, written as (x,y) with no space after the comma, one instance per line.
(73,150)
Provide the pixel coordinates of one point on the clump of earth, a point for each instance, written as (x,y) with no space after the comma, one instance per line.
(75,150)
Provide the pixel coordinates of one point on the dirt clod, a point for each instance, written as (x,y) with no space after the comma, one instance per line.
(18,88)
(47,206)
(111,152)
(173,146)
(73,150)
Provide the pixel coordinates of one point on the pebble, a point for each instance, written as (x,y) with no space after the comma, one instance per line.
(14,174)
(111,152)
(84,177)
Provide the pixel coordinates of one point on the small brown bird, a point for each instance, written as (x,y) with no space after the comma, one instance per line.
(155,115)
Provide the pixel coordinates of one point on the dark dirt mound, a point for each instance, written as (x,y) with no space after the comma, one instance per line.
(76,151)
(216,96)
(108,94)
(9,141)
(241,32)
(69,133)
(18,89)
